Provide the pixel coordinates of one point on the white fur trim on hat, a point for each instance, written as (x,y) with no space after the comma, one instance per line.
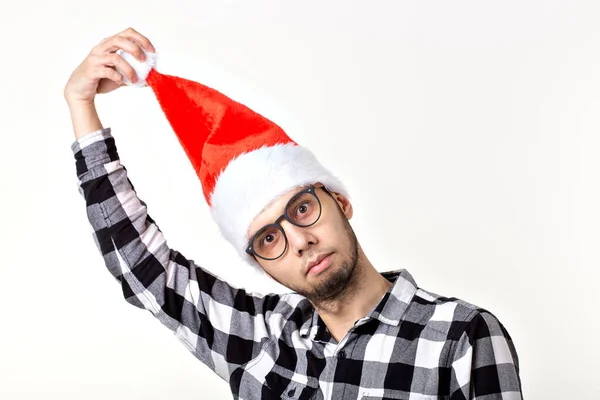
(142,69)
(253,180)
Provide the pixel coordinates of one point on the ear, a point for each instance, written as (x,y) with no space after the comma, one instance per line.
(342,200)
(344,204)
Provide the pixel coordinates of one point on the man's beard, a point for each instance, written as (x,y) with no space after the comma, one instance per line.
(338,283)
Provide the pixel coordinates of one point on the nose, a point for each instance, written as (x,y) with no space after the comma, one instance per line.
(299,238)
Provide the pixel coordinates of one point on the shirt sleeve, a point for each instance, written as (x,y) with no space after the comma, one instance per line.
(221,325)
(485,363)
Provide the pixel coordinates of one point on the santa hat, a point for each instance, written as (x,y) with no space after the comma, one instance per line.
(244,161)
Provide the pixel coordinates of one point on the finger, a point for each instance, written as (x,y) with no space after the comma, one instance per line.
(103,72)
(106,85)
(116,61)
(138,38)
(117,42)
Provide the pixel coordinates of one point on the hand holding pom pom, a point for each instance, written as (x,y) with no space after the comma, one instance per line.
(142,68)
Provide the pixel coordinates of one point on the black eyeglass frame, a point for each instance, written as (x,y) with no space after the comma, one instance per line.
(277,224)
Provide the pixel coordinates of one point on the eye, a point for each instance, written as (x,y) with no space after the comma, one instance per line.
(302,208)
(268,238)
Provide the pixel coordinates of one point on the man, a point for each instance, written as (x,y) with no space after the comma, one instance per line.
(345,331)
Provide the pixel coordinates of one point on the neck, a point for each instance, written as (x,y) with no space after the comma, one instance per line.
(362,293)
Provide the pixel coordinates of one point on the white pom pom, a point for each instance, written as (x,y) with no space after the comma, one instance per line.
(142,69)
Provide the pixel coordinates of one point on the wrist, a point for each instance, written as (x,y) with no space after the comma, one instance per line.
(84,117)
(78,104)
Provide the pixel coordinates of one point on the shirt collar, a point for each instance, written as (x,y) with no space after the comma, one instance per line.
(389,310)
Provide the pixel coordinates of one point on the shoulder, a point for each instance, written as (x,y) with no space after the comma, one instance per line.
(289,307)
(454,317)
(477,348)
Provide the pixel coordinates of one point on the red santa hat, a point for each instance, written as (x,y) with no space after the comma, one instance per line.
(243,160)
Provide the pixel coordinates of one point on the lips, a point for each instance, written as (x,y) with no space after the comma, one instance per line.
(316,262)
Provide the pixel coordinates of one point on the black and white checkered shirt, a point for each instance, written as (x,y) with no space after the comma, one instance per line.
(412,345)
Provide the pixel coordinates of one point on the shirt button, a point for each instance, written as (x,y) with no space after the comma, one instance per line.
(342,354)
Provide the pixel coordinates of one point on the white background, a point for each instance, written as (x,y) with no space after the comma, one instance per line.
(467,133)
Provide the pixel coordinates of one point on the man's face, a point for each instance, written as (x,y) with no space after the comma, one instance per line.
(331,235)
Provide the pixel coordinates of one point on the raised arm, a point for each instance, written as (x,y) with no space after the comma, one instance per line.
(201,309)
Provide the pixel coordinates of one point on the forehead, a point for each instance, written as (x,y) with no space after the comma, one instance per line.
(272,210)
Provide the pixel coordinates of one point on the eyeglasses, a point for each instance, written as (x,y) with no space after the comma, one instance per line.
(303,210)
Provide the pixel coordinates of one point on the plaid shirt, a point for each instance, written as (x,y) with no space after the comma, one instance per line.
(412,345)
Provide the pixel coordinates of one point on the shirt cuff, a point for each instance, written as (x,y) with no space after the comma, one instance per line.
(90,138)
(94,149)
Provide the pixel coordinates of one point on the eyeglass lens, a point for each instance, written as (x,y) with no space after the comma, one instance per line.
(302,210)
